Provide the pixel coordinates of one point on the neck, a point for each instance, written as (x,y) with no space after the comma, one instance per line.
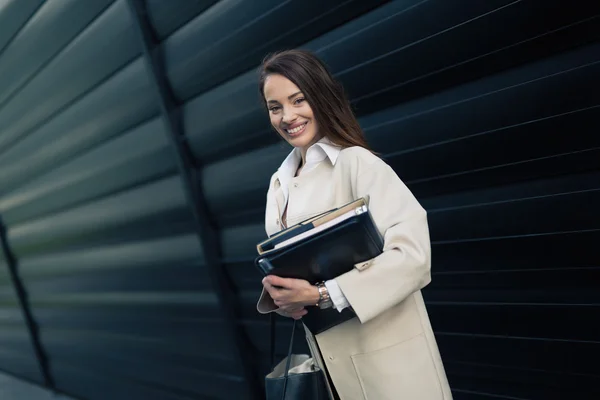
(304,150)
(303,154)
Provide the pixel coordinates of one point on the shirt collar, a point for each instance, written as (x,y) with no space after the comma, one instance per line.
(323,149)
(316,153)
(332,151)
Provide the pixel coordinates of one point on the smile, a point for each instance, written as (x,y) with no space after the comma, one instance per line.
(297,130)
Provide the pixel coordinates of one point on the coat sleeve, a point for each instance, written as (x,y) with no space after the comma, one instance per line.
(404,267)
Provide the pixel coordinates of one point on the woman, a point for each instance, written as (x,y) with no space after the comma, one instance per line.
(388,351)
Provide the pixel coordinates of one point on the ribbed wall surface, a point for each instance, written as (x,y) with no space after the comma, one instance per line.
(16,350)
(488,110)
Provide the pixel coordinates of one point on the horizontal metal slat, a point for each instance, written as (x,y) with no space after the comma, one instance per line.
(168,16)
(136,213)
(49,30)
(138,156)
(13,16)
(551,355)
(85,62)
(120,104)
(232,37)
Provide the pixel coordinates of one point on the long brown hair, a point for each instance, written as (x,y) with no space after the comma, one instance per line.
(325,95)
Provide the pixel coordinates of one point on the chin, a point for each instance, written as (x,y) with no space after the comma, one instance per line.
(303,141)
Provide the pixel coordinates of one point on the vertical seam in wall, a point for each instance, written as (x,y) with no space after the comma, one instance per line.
(190,175)
(21,291)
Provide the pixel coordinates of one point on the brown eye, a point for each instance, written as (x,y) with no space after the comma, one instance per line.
(299,100)
(274,108)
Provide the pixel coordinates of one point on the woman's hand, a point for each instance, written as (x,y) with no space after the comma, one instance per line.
(291,295)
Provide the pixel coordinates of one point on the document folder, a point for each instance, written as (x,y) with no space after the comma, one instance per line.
(320,249)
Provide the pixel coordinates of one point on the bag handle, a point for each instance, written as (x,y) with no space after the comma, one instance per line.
(289,356)
(272,335)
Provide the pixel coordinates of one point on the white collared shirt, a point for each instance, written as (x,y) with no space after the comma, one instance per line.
(317,153)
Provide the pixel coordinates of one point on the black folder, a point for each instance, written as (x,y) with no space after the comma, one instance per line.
(321,249)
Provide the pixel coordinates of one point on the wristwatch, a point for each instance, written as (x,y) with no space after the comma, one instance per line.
(324,298)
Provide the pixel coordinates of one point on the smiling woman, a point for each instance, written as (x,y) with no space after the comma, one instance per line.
(305,103)
(290,114)
(388,351)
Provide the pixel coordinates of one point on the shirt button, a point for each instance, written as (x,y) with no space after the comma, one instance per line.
(296,184)
(331,358)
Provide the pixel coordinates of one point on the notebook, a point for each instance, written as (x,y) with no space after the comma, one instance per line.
(320,249)
(307,227)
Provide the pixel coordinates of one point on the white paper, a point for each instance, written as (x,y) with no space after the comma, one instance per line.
(316,230)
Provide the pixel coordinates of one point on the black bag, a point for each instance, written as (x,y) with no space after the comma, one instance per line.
(306,382)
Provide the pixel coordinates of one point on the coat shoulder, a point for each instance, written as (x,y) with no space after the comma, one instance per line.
(360,159)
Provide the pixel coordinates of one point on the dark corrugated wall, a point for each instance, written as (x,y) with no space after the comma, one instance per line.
(488,110)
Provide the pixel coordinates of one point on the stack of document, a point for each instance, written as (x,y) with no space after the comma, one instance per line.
(322,248)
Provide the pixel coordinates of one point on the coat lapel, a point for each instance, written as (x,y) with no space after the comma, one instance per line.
(279,199)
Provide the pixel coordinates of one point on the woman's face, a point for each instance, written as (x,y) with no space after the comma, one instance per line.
(290,113)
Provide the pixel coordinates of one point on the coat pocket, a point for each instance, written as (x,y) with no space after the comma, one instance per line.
(402,371)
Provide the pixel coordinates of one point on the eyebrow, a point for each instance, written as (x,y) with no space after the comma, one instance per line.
(289,97)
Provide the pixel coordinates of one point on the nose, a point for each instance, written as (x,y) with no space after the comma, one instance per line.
(288,116)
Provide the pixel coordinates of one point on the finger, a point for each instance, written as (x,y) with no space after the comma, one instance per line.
(299,314)
(285,283)
(281,312)
(290,307)
(287,313)
(266,284)
(273,291)
(282,304)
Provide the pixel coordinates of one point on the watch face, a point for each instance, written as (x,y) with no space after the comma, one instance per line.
(325,304)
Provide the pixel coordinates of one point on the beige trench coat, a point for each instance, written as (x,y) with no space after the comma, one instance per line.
(389,350)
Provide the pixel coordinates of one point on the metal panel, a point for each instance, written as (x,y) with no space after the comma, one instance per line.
(119,104)
(119,271)
(85,62)
(203,224)
(232,200)
(13,14)
(41,38)
(233,36)
(167,16)
(25,304)
(239,96)
(487,110)
(17,355)
(139,155)
(13,388)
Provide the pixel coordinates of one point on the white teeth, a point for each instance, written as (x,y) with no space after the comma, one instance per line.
(297,129)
